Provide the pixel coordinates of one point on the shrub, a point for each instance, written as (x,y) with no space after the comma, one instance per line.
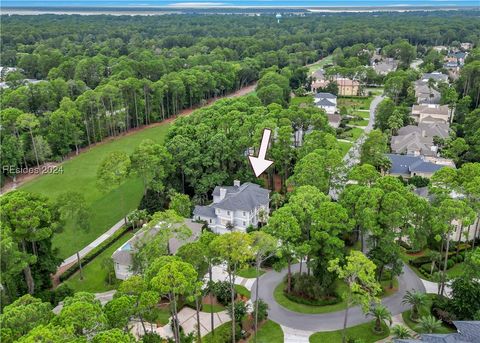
(221,290)
(307,287)
(151,337)
(262,310)
(418,261)
(240,311)
(450,264)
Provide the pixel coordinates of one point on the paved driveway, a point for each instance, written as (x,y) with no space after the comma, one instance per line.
(333,320)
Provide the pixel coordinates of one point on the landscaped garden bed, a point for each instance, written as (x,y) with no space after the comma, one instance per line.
(332,303)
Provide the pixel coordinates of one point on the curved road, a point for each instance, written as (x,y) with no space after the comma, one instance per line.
(332,320)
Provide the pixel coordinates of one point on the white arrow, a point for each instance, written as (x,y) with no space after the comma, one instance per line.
(260,164)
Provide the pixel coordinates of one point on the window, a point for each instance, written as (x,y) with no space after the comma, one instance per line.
(244,223)
(228,212)
(210,221)
(244,214)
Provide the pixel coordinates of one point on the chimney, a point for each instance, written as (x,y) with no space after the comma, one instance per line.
(236,183)
(223,192)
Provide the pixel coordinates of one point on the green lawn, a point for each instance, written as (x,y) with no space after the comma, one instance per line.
(243,291)
(320,64)
(355,134)
(220,331)
(344,146)
(94,276)
(250,273)
(213,308)
(363,114)
(363,122)
(80,176)
(302,100)
(355,103)
(269,332)
(363,332)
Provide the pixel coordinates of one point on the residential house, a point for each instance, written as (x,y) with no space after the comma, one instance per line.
(413,144)
(461,232)
(319,80)
(431,113)
(467,332)
(440,48)
(408,166)
(456,57)
(123,256)
(235,207)
(346,86)
(326,101)
(466,46)
(435,76)
(425,94)
(334,120)
(419,140)
(384,66)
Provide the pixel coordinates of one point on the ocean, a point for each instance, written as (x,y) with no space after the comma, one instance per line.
(239,3)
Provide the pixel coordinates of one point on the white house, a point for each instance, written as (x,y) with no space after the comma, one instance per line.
(326,101)
(235,207)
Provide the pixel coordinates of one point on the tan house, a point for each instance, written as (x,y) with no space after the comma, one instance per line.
(346,86)
(431,113)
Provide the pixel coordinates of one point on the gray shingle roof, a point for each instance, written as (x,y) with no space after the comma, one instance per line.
(248,197)
(204,211)
(468,332)
(325,96)
(406,164)
(435,76)
(325,102)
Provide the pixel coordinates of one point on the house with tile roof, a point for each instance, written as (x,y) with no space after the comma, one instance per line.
(419,140)
(431,113)
(408,166)
(425,94)
(235,207)
(467,332)
(123,256)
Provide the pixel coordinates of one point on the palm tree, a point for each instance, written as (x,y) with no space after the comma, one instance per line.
(429,324)
(381,314)
(416,300)
(401,332)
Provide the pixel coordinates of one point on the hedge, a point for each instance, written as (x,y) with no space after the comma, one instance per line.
(95,252)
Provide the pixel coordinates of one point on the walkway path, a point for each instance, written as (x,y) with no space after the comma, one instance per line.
(333,320)
(352,157)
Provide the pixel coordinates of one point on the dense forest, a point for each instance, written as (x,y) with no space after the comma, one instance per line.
(104,75)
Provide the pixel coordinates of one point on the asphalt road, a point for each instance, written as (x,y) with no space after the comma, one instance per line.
(333,320)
